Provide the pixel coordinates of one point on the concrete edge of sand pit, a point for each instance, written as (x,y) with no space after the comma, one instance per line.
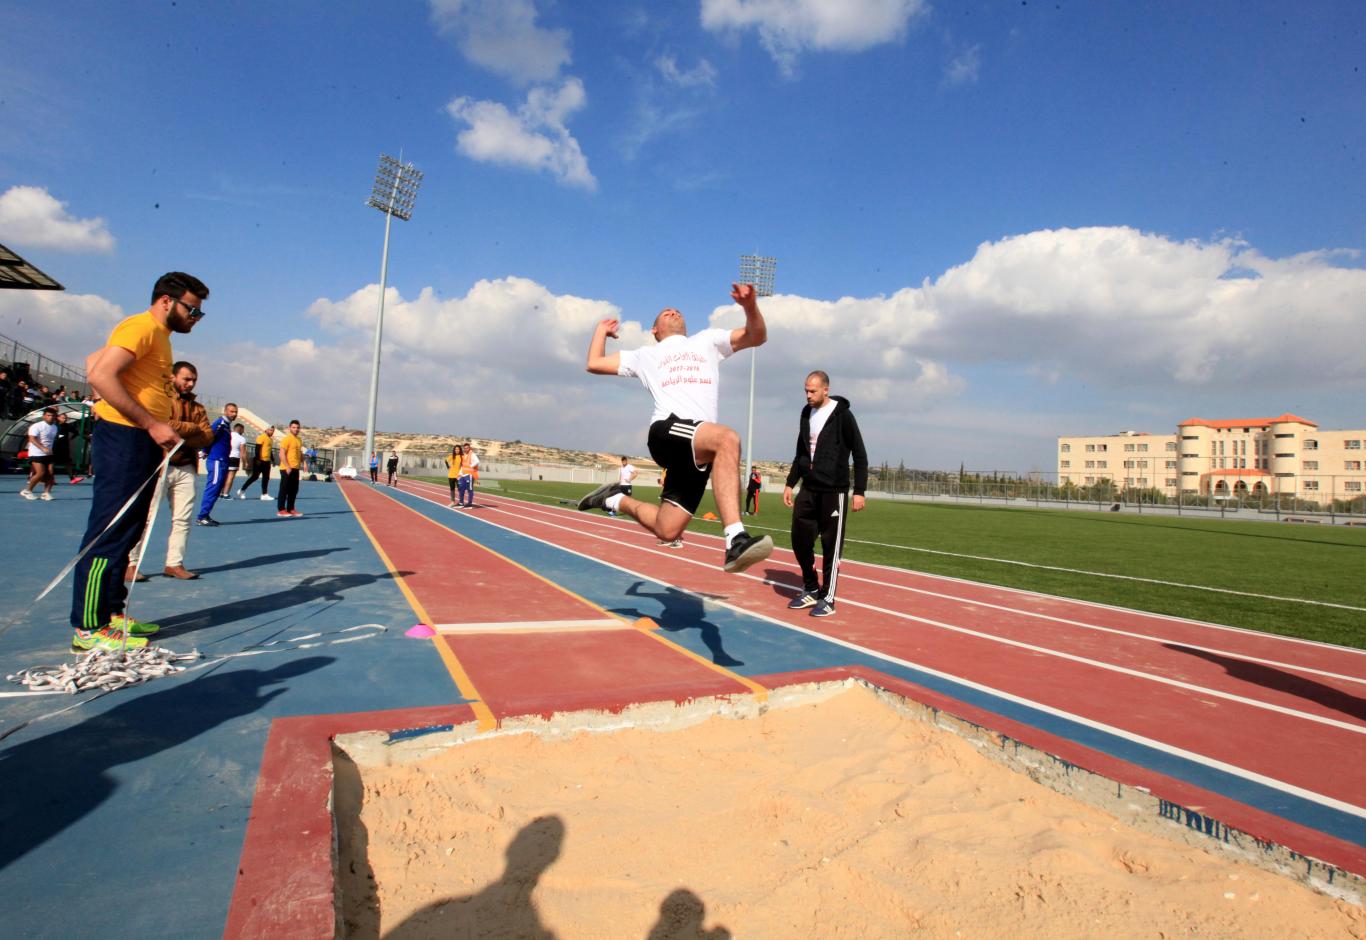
(1132,805)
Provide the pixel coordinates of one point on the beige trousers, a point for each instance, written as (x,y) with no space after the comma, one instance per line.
(180,486)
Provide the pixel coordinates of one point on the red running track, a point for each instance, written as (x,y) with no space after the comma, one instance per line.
(1275,709)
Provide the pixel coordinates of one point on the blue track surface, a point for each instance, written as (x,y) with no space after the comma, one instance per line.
(124,817)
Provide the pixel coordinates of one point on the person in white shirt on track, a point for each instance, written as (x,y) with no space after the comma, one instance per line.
(42,438)
(685,438)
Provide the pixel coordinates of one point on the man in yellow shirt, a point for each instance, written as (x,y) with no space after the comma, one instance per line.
(291,463)
(260,464)
(132,375)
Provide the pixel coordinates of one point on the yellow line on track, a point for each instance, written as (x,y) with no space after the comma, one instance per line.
(463,682)
(644,624)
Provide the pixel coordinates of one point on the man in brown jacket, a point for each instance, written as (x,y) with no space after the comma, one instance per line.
(191,422)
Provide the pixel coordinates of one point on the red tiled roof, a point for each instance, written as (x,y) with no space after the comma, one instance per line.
(1286,418)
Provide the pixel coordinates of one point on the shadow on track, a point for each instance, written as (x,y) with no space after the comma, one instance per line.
(679,611)
(316,587)
(1281,681)
(52,782)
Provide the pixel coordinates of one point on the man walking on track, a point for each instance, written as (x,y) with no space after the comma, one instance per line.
(217,462)
(260,464)
(132,375)
(828,436)
(42,442)
(681,373)
(625,476)
(291,465)
(191,422)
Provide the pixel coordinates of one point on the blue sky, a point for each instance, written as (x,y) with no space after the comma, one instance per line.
(995,222)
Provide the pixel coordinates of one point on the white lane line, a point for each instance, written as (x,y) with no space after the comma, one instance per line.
(1063,620)
(1033,648)
(1202,759)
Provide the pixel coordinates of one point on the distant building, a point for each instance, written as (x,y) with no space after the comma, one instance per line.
(1243,457)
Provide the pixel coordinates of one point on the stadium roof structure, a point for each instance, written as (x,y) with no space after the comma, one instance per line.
(18,274)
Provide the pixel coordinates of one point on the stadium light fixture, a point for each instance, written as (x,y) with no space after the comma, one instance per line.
(394,194)
(757,270)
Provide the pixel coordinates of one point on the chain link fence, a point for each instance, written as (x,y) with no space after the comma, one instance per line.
(1314,497)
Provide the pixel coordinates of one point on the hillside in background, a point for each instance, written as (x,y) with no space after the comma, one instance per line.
(520,452)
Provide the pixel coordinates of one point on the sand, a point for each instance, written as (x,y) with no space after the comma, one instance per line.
(841,819)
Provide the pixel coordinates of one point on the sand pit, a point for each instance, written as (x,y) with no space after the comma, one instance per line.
(838,818)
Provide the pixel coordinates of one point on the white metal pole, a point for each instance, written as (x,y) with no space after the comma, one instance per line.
(749,433)
(379,327)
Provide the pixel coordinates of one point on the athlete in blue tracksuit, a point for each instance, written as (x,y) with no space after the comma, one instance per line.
(217,462)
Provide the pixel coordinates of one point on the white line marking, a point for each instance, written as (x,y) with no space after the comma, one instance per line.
(1205,760)
(550,510)
(1111,667)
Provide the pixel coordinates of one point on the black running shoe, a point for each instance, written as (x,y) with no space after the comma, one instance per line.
(208,521)
(824,608)
(598,498)
(746,550)
(803,600)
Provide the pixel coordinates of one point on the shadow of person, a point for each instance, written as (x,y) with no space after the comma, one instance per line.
(315,587)
(1290,683)
(786,584)
(680,918)
(504,908)
(679,611)
(260,560)
(53,781)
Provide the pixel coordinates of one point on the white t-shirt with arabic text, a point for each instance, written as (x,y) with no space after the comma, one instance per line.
(681,373)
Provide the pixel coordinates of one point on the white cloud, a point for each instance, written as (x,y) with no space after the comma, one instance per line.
(31,217)
(702,74)
(535,137)
(502,36)
(963,68)
(938,372)
(788,27)
(1132,309)
(62,325)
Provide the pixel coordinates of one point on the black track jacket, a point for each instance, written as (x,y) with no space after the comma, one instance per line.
(829,471)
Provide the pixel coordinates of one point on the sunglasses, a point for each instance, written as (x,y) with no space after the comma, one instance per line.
(196,313)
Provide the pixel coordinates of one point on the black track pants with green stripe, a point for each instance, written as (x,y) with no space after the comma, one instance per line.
(124,458)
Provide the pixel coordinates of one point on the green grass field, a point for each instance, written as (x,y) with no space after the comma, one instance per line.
(1316,563)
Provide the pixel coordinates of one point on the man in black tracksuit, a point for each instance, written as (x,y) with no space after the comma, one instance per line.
(828,436)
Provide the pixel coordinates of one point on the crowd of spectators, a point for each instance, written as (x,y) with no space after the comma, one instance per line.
(21,394)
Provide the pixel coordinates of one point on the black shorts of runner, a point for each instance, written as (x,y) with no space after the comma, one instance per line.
(670,444)
(234,463)
(41,459)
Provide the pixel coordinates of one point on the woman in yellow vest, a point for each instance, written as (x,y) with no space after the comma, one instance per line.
(453,470)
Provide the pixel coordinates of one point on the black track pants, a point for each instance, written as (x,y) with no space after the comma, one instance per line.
(814,513)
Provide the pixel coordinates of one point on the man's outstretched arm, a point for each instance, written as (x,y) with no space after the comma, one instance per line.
(754,332)
(599,363)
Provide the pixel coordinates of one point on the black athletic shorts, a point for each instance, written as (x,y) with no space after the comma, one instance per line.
(234,463)
(41,459)
(670,444)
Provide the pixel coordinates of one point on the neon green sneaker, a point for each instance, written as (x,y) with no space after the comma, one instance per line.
(105,638)
(135,627)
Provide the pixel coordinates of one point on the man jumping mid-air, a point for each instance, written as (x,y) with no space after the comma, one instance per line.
(681,373)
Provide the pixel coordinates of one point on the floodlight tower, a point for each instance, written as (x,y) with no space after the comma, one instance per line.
(757,270)
(394,193)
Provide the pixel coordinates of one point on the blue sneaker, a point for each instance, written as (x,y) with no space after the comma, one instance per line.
(823,608)
(802,601)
